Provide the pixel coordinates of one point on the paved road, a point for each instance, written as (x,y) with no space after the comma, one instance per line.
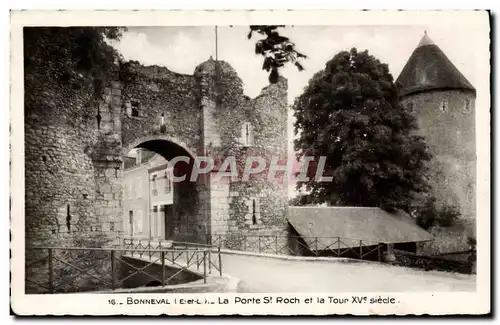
(270,275)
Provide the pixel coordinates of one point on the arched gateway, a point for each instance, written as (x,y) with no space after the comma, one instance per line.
(74,174)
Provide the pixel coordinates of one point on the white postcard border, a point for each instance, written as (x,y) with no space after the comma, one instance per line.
(409,303)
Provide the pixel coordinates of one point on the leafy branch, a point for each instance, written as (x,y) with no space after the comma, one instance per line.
(276,49)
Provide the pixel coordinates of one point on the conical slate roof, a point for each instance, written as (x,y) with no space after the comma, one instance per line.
(429,69)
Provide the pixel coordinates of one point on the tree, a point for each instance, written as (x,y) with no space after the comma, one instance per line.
(61,64)
(350,113)
(276,49)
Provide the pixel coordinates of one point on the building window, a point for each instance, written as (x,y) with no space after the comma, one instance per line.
(125,191)
(129,190)
(138,191)
(131,222)
(134,190)
(138,222)
(247,134)
(154,222)
(167,187)
(444,105)
(154,185)
(136,107)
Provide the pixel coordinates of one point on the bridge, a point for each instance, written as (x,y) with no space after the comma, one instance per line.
(165,266)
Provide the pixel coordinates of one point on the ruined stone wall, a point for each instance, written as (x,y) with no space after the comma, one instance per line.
(447,120)
(160,91)
(68,168)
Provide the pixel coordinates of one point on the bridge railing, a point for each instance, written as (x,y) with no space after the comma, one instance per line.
(300,245)
(74,269)
(144,248)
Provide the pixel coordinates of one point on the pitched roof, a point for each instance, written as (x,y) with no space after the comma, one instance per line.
(352,224)
(428,68)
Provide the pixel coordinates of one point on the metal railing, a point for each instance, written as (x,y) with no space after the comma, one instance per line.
(300,245)
(98,268)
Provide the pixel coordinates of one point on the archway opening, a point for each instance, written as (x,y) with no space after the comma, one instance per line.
(156,205)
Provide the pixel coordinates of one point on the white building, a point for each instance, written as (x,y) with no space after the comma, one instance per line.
(147,196)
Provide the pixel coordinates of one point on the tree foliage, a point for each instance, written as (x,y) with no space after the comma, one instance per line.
(62,63)
(276,49)
(350,113)
(303,200)
(429,215)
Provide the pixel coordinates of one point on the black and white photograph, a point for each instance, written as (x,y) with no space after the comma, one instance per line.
(228,167)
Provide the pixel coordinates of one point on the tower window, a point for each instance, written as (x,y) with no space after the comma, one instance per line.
(444,105)
(135,108)
(467,105)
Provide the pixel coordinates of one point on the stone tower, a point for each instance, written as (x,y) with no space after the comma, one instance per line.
(234,125)
(443,101)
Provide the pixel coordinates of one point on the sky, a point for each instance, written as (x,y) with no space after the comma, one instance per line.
(181,49)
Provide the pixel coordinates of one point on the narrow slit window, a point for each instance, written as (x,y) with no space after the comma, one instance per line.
(254,215)
(247,134)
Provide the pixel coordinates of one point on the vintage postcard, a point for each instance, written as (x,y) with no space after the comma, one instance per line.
(250,162)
